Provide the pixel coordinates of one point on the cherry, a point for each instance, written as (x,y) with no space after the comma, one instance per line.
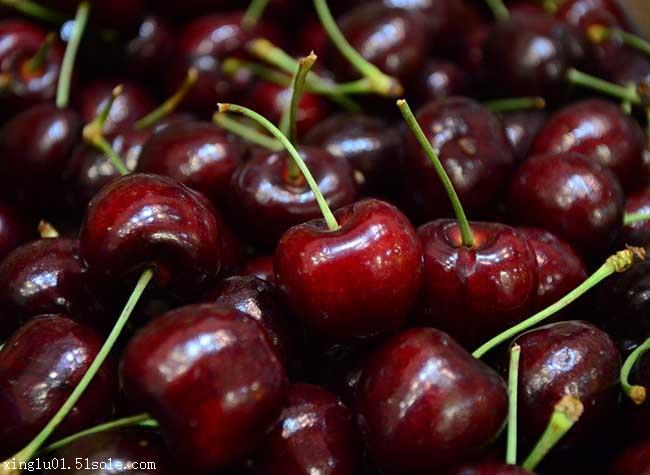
(567,358)
(39,366)
(143,220)
(599,130)
(15,228)
(225,388)
(355,281)
(559,267)
(312,37)
(439,79)
(373,148)
(266,200)
(637,233)
(638,414)
(574,197)
(522,128)
(114,13)
(321,438)
(475,292)
(473,148)
(148,52)
(408,400)
(260,267)
(18,36)
(490,469)
(584,13)
(635,460)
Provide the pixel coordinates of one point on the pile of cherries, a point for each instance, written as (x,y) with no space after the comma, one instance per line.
(226,247)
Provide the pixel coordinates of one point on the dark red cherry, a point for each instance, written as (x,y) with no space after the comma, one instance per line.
(312,37)
(133,103)
(120,14)
(357,281)
(627,67)
(635,460)
(198,154)
(522,128)
(530,54)
(409,398)
(572,196)
(260,267)
(212,379)
(573,358)
(473,148)
(439,79)
(132,447)
(600,130)
(490,469)
(314,434)
(139,221)
(584,13)
(15,228)
(373,148)
(473,293)
(266,200)
(40,365)
(637,234)
(271,100)
(559,267)
(16,36)
(151,49)
(395,40)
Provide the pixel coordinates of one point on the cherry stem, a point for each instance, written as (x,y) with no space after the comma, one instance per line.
(592,82)
(67,66)
(498,9)
(46,230)
(253,13)
(140,420)
(380,82)
(26,454)
(634,392)
(170,104)
(35,10)
(35,63)
(232,66)
(565,414)
(619,262)
(273,130)
(632,218)
(246,132)
(600,33)
(515,104)
(290,117)
(513,383)
(463,223)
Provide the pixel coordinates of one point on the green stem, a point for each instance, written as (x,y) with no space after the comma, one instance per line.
(565,414)
(35,10)
(35,63)
(498,9)
(170,104)
(297,90)
(619,262)
(592,82)
(273,130)
(513,383)
(140,420)
(246,132)
(103,146)
(381,83)
(26,454)
(632,218)
(98,122)
(253,13)
(634,392)
(67,66)
(463,223)
(600,33)
(515,104)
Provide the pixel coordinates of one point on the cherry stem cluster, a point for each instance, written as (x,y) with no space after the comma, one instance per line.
(253,13)
(246,132)
(288,124)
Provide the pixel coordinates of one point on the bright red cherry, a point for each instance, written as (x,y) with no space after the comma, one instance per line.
(635,460)
(260,267)
(212,379)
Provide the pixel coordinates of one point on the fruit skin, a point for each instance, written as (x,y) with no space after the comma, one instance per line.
(600,130)
(637,234)
(474,293)
(522,128)
(139,221)
(18,35)
(570,195)
(39,367)
(635,460)
(439,79)
(638,415)
(212,379)
(490,469)
(409,398)
(260,267)
(358,281)
(151,48)
(265,201)
(315,433)
(473,148)
(574,358)
(15,228)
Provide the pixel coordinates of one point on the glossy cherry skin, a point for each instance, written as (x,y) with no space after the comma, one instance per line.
(15,228)
(40,365)
(409,398)
(637,234)
(633,461)
(122,446)
(212,379)
(572,196)
(357,281)
(373,148)
(473,293)
(490,469)
(140,221)
(266,201)
(437,80)
(560,269)
(574,358)
(600,130)
(18,35)
(530,54)
(473,148)
(134,103)
(395,40)
(198,154)
(151,48)
(522,128)
(260,267)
